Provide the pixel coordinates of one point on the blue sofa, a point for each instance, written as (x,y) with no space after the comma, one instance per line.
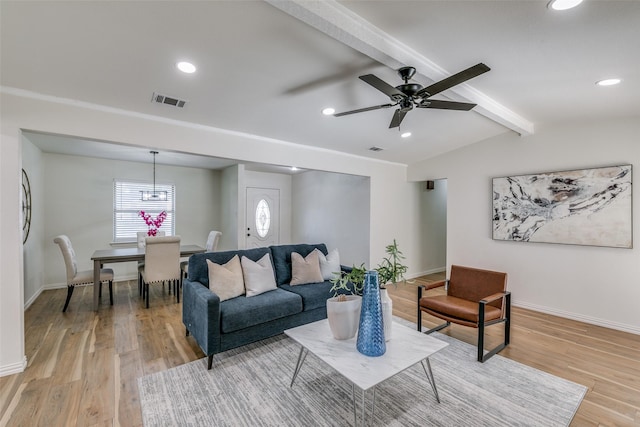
(220,326)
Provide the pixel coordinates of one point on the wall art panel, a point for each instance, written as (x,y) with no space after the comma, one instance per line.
(578,207)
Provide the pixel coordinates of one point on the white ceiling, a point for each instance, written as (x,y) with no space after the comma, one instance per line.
(265,72)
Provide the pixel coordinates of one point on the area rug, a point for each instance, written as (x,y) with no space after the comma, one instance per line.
(249,386)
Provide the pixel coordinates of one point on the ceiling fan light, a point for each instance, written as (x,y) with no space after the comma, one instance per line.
(608,82)
(563,4)
(186,67)
(328,111)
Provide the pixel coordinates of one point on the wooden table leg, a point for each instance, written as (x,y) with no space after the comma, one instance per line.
(96,283)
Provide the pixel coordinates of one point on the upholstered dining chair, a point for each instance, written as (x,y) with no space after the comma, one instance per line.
(80,278)
(161,263)
(212,245)
(140,238)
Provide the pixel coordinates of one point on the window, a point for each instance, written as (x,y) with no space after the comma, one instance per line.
(127,202)
(263,218)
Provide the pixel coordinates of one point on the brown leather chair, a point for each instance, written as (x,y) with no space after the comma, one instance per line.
(475,298)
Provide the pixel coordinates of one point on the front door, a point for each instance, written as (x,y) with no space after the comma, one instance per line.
(263,217)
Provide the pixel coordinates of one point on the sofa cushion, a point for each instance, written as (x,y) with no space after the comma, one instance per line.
(329,264)
(258,275)
(242,312)
(305,270)
(199,272)
(313,295)
(282,258)
(226,280)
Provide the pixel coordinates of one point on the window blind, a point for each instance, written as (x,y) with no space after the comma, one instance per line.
(127,203)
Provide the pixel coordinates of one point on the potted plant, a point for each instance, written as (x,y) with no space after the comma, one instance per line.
(343,309)
(390,271)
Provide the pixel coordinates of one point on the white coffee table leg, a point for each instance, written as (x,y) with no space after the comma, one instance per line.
(301,357)
(431,378)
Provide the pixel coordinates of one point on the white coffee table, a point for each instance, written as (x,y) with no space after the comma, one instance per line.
(406,348)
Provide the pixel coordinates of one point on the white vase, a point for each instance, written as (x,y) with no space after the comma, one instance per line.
(344,316)
(387,313)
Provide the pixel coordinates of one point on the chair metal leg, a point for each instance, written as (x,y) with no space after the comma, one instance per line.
(481,328)
(69,293)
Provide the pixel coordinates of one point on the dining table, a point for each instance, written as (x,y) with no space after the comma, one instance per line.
(108,256)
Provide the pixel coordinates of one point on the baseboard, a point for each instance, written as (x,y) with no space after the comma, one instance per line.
(52,286)
(426,272)
(13,368)
(31,300)
(579,317)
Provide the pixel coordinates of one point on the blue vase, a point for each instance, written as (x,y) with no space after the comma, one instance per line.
(371,340)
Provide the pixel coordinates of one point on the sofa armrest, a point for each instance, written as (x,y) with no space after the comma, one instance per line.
(201,315)
(346,268)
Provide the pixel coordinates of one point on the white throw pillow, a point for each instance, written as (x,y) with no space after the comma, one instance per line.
(258,276)
(226,280)
(305,270)
(329,264)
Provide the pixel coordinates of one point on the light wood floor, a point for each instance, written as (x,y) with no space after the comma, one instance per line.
(83,366)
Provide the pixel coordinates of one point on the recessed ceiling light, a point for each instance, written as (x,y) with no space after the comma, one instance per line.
(608,82)
(186,67)
(328,111)
(293,168)
(405,135)
(563,4)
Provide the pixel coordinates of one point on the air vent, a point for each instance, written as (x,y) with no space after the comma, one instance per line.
(376,149)
(168,100)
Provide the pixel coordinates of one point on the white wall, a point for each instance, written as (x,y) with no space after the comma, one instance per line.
(593,284)
(397,203)
(12,355)
(333,209)
(230,205)
(433,241)
(78,202)
(275,181)
(33,249)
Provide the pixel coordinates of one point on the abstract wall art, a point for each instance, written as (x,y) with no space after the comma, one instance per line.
(578,207)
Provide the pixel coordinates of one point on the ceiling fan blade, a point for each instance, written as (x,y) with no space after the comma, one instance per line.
(362,110)
(446,105)
(397,118)
(451,81)
(383,86)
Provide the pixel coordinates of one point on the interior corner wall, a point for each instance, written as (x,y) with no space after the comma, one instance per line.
(597,285)
(33,248)
(333,209)
(278,181)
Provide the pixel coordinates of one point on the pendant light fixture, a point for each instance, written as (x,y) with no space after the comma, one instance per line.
(158,196)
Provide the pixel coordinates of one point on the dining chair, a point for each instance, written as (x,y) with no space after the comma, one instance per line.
(212,245)
(161,263)
(80,278)
(140,238)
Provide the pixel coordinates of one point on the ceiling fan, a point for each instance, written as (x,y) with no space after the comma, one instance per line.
(408,96)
